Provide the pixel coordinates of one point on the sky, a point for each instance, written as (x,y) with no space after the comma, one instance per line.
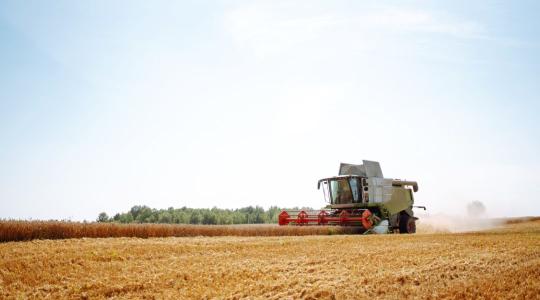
(109,104)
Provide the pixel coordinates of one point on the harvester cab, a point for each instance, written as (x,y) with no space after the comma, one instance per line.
(361,197)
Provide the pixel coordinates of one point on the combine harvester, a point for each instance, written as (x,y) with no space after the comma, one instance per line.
(362,198)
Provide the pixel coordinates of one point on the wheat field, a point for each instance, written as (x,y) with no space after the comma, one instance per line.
(502,263)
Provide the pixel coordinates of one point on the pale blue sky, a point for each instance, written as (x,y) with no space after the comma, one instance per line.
(109,104)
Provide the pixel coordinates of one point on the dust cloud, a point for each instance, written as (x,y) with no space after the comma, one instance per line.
(476,209)
(474,220)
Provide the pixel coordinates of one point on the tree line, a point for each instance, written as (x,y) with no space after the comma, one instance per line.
(184,215)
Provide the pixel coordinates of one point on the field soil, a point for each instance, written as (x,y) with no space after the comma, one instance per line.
(502,263)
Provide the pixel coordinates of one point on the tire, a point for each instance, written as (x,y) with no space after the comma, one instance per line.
(407,224)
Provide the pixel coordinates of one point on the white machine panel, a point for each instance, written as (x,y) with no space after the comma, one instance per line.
(379,189)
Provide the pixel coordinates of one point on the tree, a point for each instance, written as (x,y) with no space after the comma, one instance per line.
(117,217)
(103,217)
(209,218)
(144,215)
(126,218)
(165,217)
(135,211)
(195,218)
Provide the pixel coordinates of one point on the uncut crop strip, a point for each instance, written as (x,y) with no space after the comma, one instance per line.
(30,230)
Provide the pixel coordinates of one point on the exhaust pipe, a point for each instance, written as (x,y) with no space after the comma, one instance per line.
(414,184)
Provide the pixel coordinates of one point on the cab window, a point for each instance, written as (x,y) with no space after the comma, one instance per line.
(354,187)
(341,191)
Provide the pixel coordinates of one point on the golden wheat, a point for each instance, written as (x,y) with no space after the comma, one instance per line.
(30,230)
(497,264)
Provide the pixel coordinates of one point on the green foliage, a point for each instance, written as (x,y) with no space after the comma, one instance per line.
(103,217)
(184,215)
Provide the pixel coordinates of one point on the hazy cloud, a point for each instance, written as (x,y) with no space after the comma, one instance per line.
(273,29)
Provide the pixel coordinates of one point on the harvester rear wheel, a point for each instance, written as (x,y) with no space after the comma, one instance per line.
(407,224)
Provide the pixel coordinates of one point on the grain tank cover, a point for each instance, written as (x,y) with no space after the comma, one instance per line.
(350,169)
(373,168)
(367,169)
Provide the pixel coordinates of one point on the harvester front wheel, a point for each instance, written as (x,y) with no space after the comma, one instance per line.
(407,224)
